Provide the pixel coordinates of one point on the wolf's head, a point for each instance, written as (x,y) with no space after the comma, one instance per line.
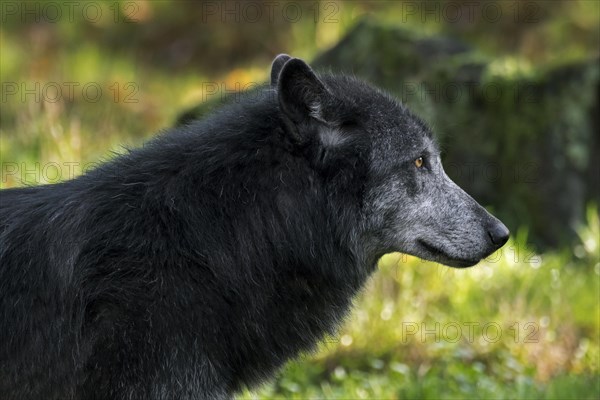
(408,203)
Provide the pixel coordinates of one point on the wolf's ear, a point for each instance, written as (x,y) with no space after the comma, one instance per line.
(301,93)
(276,67)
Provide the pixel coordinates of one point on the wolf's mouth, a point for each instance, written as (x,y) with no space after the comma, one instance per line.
(442,257)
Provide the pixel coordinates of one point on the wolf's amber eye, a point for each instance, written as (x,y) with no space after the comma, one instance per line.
(419,162)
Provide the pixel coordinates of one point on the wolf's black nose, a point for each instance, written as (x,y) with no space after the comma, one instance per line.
(498,233)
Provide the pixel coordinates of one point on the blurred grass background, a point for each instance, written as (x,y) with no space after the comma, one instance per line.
(522,324)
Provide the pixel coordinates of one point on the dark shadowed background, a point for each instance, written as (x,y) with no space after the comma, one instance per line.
(511,89)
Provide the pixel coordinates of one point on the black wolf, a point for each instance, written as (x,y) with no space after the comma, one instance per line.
(199,263)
